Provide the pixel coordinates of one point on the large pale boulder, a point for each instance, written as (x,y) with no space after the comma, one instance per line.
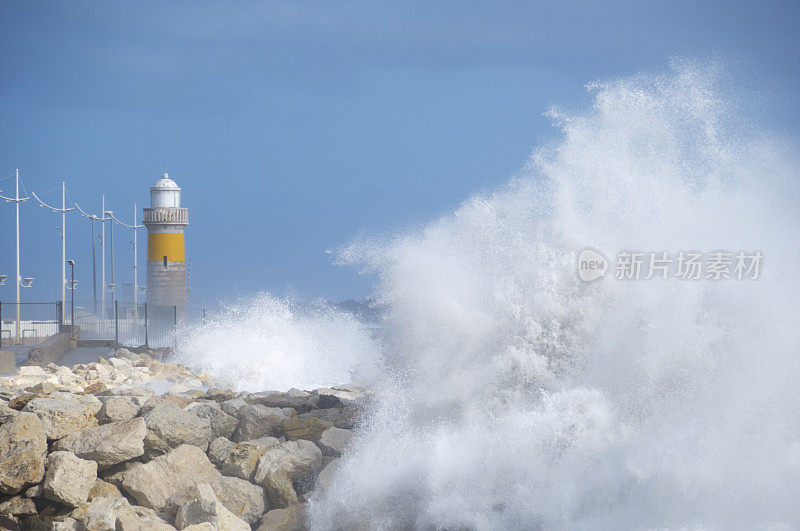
(179,401)
(65,414)
(69,478)
(257,421)
(304,428)
(222,424)
(220,395)
(290,519)
(152,483)
(108,444)
(344,417)
(116,514)
(333,441)
(242,498)
(103,489)
(169,426)
(341,396)
(117,409)
(116,473)
(66,524)
(206,507)
(23,448)
(6,413)
(233,406)
(294,398)
(18,505)
(242,459)
(284,465)
(219,449)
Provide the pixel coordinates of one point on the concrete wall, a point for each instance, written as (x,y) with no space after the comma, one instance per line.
(51,349)
(7,362)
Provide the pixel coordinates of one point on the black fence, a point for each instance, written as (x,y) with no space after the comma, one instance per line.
(125,324)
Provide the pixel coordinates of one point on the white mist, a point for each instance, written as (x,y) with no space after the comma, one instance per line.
(517,396)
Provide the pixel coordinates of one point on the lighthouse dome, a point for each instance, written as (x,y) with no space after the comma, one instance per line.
(165,193)
(166,183)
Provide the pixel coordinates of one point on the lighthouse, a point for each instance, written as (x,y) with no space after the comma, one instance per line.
(166,221)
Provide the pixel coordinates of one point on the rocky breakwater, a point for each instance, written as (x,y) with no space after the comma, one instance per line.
(133,442)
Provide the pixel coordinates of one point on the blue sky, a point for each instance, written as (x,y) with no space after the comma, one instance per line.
(295,126)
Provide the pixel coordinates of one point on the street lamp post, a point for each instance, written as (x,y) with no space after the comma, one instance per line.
(135,259)
(109,215)
(17,199)
(63,211)
(102,221)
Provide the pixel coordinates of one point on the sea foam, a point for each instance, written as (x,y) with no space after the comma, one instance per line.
(514,395)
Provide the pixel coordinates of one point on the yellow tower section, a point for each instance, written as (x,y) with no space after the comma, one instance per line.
(166,222)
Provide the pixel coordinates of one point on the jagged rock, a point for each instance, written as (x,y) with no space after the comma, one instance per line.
(65,414)
(18,505)
(42,388)
(102,489)
(66,524)
(108,444)
(257,421)
(32,370)
(344,418)
(290,519)
(20,401)
(333,441)
(242,498)
(222,424)
(242,459)
(220,395)
(117,409)
(207,508)
(304,428)
(37,491)
(339,396)
(116,474)
(131,392)
(94,388)
(169,426)
(69,478)
(205,526)
(294,398)
(23,447)
(232,406)
(151,484)
(7,413)
(120,363)
(116,514)
(325,478)
(285,464)
(219,449)
(173,400)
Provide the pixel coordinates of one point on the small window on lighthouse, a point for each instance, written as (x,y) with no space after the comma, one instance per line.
(165,262)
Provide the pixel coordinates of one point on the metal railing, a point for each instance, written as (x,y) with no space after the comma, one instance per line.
(179,215)
(122,323)
(38,320)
